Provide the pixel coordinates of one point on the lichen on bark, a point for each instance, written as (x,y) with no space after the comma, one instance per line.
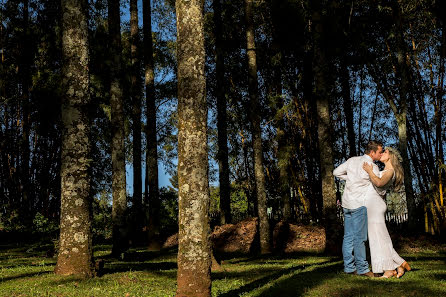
(194,250)
(75,255)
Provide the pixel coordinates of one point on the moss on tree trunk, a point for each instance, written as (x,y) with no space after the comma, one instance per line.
(194,250)
(75,245)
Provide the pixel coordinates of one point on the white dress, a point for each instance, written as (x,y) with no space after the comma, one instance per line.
(383,255)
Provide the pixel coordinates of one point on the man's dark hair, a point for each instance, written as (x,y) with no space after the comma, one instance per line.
(373,146)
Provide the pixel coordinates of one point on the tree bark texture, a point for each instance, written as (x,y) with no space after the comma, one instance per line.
(194,249)
(136,119)
(75,245)
(117,127)
(222,154)
(310,138)
(152,145)
(348,111)
(322,94)
(401,116)
(24,70)
(282,154)
(256,129)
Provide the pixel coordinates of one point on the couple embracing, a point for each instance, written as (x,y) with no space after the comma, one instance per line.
(364,211)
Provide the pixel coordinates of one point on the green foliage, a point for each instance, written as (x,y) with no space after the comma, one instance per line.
(102,221)
(10,222)
(44,225)
(239,201)
(168,209)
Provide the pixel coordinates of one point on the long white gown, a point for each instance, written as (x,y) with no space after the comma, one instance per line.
(383,255)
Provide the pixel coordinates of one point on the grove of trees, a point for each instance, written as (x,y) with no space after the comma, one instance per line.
(247,105)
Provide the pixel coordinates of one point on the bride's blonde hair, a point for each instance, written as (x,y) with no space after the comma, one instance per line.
(396,160)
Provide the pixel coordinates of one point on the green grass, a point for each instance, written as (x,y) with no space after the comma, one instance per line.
(24,271)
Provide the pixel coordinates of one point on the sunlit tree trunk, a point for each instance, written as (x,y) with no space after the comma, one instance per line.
(75,243)
(117,127)
(194,249)
(152,152)
(222,155)
(136,119)
(322,94)
(254,114)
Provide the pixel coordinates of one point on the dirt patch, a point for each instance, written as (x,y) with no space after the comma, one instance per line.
(171,241)
(242,238)
(416,243)
(290,238)
(238,238)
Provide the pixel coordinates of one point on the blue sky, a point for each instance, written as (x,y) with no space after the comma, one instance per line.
(162,174)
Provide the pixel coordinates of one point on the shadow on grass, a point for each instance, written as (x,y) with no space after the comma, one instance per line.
(279,257)
(388,288)
(151,266)
(326,282)
(271,272)
(139,261)
(23,275)
(271,278)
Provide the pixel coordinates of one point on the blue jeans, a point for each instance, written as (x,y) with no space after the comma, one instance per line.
(355,235)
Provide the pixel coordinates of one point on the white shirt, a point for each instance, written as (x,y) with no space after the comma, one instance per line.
(357,181)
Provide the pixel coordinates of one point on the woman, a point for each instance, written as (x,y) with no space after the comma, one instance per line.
(384,258)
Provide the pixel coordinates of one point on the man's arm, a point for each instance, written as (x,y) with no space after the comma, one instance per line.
(341,171)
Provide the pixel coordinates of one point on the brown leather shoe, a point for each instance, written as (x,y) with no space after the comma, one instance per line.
(353,273)
(368,274)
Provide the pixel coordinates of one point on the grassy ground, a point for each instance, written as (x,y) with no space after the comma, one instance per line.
(24,271)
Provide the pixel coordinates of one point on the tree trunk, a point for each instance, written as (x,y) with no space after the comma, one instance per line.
(222,155)
(136,99)
(310,137)
(75,244)
(348,111)
(276,95)
(322,94)
(117,127)
(256,129)
(194,249)
(24,70)
(361,89)
(401,116)
(152,144)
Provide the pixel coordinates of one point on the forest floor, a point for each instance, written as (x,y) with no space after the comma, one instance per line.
(27,270)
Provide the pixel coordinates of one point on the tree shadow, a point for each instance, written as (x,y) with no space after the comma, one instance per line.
(151,266)
(277,256)
(387,288)
(314,274)
(23,275)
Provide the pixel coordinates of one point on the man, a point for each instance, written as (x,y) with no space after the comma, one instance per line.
(355,213)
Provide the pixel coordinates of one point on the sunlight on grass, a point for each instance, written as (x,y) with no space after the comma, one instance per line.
(26,272)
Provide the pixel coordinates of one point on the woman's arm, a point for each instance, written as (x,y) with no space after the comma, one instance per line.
(378,181)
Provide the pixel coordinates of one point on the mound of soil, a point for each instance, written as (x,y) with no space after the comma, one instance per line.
(238,238)
(416,243)
(242,238)
(290,238)
(171,241)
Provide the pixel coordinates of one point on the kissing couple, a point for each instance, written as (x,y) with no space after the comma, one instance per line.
(364,211)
